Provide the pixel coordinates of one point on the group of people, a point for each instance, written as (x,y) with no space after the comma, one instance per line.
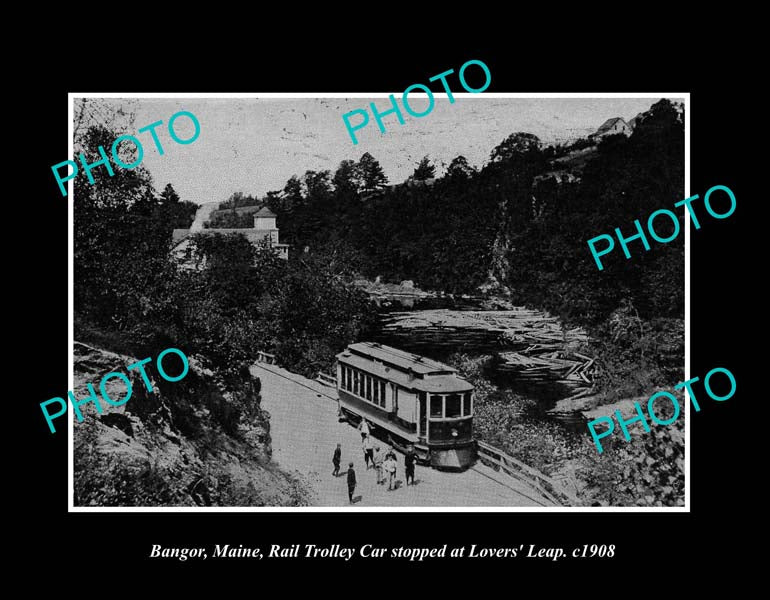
(384,463)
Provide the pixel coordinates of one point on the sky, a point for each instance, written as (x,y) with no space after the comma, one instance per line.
(253,145)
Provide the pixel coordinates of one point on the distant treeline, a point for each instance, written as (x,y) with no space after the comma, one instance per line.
(520,223)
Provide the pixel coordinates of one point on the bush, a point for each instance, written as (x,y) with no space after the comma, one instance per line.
(539,444)
(504,419)
(107,480)
(231,491)
(637,356)
(646,471)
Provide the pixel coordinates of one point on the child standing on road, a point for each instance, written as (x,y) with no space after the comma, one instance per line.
(390,469)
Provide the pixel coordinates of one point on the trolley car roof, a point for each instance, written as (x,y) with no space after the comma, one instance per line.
(399,358)
(408,370)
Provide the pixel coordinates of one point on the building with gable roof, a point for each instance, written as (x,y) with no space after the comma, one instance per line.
(611,127)
(265,229)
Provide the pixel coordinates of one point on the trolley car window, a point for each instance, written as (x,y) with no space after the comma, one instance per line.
(382,394)
(467,404)
(376,392)
(368,388)
(356,387)
(453,405)
(436,408)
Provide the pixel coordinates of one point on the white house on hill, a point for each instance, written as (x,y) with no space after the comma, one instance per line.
(611,127)
(264,229)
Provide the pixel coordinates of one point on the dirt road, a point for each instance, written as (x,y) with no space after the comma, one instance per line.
(305,430)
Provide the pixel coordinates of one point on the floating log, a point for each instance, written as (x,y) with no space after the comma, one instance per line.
(531,343)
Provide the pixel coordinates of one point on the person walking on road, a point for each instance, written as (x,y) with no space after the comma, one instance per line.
(336,460)
(409,461)
(351,482)
(368,451)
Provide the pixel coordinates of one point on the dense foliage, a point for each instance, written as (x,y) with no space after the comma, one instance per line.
(239,200)
(105,479)
(647,471)
(122,236)
(637,355)
(230,219)
(238,300)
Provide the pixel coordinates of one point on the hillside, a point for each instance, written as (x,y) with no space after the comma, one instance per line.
(199,442)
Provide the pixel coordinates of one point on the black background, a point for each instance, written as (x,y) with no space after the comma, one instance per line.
(656,60)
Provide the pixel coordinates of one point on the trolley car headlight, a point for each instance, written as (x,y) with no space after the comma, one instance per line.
(454,433)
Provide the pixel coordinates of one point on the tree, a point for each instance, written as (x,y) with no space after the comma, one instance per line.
(172,211)
(217,304)
(370,173)
(346,178)
(312,314)
(119,190)
(169,195)
(275,201)
(514,145)
(318,186)
(115,115)
(117,243)
(459,168)
(425,170)
(292,193)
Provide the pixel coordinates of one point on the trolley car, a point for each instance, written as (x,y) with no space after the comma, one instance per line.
(414,399)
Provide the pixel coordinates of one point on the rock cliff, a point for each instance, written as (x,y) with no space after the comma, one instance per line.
(202,441)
